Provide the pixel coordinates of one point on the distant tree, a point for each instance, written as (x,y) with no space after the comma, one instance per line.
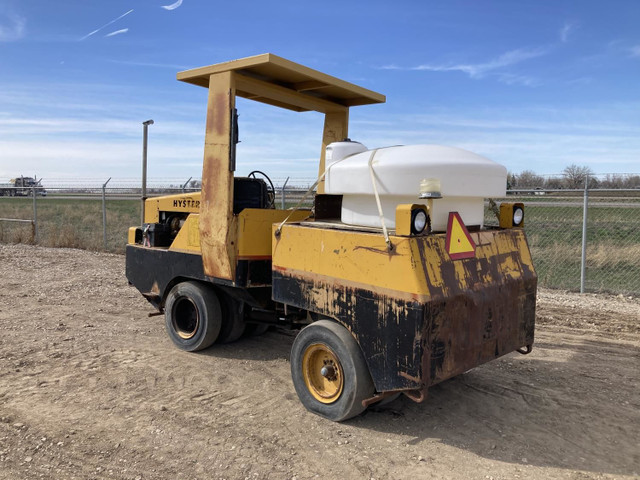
(632,181)
(529,179)
(554,183)
(195,184)
(621,181)
(575,175)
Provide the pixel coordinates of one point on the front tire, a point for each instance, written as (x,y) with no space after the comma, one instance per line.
(329,372)
(193,316)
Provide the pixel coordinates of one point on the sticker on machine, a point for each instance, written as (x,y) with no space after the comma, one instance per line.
(459,243)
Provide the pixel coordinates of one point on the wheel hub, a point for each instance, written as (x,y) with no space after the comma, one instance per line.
(322,373)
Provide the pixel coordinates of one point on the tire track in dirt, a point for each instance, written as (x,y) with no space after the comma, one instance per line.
(82,364)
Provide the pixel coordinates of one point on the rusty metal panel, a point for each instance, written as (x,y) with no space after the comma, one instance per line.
(465,312)
(217,223)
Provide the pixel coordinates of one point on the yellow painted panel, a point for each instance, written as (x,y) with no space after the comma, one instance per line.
(418,266)
(217,224)
(182,202)
(188,238)
(254,230)
(131,235)
(352,256)
(280,71)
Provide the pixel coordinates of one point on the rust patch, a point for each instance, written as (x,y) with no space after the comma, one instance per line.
(217,113)
(477,309)
(410,377)
(221,112)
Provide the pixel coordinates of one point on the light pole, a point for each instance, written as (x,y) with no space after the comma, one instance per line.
(145,134)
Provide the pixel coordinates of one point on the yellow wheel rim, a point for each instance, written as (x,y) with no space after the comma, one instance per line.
(322,373)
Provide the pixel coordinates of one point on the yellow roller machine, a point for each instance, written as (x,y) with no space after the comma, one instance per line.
(392,277)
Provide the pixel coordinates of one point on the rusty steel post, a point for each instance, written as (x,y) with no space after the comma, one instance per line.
(283,194)
(583,259)
(145,134)
(104,213)
(35,216)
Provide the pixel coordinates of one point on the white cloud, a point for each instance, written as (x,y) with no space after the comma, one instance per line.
(106,25)
(480,70)
(12,27)
(173,6)
(117,32)
(635,51)
(565,31)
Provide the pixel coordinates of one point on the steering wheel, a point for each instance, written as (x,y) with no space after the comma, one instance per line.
(271,191)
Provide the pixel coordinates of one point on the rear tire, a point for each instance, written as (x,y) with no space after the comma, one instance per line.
(193,316)
(329,371)
(232,320)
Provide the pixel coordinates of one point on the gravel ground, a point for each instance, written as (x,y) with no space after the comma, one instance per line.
(91,387)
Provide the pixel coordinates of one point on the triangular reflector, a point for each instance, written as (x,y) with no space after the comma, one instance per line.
(459,243)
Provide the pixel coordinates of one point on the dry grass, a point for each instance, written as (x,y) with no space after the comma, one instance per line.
(70,223)
(554,235)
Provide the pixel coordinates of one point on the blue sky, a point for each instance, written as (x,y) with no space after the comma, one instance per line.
(532,84)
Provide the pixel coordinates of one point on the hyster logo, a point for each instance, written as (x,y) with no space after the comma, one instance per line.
(186,203)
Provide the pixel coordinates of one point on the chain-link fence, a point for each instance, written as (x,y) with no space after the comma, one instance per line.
(557,235)
(97,217)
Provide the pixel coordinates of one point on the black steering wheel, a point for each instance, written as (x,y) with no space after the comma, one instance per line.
(271,191)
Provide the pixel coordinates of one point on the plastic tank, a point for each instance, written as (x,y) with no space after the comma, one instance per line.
(466,179)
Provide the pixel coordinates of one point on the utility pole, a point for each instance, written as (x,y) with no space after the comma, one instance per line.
(145,134)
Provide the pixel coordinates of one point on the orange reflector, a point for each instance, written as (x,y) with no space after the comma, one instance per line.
(459,243)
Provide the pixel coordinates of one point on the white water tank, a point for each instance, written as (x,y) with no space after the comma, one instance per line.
(466,179)
(336,151)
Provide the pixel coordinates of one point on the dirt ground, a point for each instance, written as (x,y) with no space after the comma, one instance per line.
(91,387)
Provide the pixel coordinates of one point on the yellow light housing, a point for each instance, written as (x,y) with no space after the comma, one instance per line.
(412,219)
(511,215)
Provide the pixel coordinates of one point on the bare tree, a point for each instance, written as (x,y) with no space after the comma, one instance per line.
(575,176)
(618,180)
(554,183)
(529,179)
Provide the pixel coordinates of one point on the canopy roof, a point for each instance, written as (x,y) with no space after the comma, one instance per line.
(277,81)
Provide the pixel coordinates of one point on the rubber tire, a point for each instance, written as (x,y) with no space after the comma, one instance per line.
(208,309)
(233,325)
(357,380)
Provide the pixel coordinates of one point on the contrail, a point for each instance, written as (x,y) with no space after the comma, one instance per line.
(107,24)
(117,32)
(173,6)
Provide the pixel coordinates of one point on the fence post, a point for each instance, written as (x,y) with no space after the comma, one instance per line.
(104,213)
(185,185)
(145,134)
(283,196)
(583,260)
(35,216)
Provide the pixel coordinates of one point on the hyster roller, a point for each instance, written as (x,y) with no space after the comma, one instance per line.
(392,276)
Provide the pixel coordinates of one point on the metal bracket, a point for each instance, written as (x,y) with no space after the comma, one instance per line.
(525,350)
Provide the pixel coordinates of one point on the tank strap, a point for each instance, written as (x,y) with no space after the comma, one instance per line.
(377,195)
